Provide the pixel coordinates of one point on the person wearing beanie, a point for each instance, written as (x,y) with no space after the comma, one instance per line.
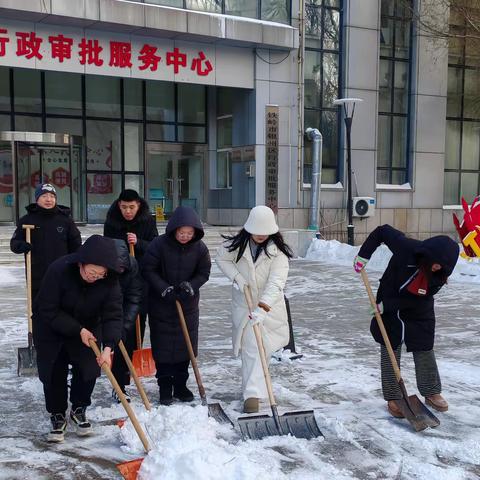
(415,273)
(256,257)
(55,233)
(129,219)
(80,299)
(175,266)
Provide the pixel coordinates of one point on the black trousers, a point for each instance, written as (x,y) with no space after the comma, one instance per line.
(56,392)
(175,373)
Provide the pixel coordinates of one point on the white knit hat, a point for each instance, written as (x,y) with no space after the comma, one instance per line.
(261,221)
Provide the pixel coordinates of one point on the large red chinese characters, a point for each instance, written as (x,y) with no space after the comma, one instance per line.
(469,228)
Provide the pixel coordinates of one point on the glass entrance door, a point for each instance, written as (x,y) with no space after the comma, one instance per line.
(174,176)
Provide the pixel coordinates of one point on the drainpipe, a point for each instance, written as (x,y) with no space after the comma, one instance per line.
(315,136)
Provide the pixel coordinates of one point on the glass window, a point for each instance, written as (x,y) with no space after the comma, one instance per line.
(453,144)
(102,96)
(27,90)
(169,3)
(160,133)
(133,98)
(470,146)
(242,8)
(191,103)
(133,141)
(5,89)
(191,134)
(135,182)
(204,5)
(5,123)
(65,125)
(160,101)
(330,79)
(103,145)
(313,77)
(63,93)
(454,95)
(224,169)
(471,103)
(24,123)
(275,11)
(102,190)
(224,131)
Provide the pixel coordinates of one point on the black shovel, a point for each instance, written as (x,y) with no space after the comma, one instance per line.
(300,424)
(215,410)
(27,356)
(419,416)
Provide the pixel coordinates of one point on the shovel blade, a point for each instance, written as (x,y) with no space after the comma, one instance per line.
(419,416)
(216,411)
(129,470)
(27,362)
(257,427)
(143,362)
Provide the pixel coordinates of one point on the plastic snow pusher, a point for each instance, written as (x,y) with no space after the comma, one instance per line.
(300,424)
(419,416)
(215,410)
(142,358)
(27,356)
(129,470)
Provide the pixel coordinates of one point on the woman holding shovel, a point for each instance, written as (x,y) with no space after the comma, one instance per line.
(415,273)
(175,266)
(257,257)
(80,299)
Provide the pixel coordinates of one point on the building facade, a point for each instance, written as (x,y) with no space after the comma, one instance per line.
(206,102)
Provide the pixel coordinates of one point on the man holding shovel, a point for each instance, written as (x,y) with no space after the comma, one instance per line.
(415,273)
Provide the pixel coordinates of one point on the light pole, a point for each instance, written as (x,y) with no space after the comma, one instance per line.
(349,110)
(315,136)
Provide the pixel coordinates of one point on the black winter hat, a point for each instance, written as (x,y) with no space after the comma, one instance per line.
(98,250)
(129,195)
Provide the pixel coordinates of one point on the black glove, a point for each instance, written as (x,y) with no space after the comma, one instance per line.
(169,294)
(185,290)
(25,247)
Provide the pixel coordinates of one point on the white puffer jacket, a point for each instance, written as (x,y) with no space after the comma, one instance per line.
(266,279)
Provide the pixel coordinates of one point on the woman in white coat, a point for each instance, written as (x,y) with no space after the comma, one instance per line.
(256,257)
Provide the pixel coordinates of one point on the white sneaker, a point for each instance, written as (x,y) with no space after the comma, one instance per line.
(80,421)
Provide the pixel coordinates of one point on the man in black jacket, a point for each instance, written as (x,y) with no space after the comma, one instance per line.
(131,285)
(55,234)
(415,273)
(80,299)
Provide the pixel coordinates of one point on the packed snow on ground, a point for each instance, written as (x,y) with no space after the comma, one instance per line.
(337,377)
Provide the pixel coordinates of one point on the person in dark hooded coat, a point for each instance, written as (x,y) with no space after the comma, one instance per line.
(55,234)
(80,299)
(405,298)
(175,266)
(132,285)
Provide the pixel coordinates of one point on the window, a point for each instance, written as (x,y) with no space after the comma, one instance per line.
(394,93)
(322,83)
(63,93)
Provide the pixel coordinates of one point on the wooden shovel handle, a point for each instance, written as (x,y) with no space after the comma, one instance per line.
(261,349)
(122,398)
(133,373)
(138,330)
(196,371)
(28,229)
(384,333)
(131,247)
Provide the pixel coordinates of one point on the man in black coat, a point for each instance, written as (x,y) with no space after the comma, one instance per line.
(129,219)
(415,273)
(132,285)
(80,299)
(54,236)
(175,266)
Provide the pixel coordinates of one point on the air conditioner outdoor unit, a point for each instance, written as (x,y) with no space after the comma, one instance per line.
(363,206)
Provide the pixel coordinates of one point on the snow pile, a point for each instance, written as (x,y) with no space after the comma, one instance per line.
(333,252)
(187,444)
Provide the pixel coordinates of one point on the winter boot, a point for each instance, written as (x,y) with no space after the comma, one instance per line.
(393,409)
(78,418)
(250,405)
(165,383)
(59,425)
(116,398)
(437,402)
(182,393)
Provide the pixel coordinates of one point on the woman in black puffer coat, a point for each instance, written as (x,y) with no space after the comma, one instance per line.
(175,266)
(415,273)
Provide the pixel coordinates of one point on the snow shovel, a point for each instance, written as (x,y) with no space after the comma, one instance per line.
(300,424)
(419,416)
(142,358)
(128,469)
(27,356)
(215,410)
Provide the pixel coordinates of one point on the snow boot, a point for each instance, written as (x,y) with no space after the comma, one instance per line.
(116,398)
(182,393)
(437,402)
(59,425)
(83,426)
(250,405)
(393,409)
(165,383)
